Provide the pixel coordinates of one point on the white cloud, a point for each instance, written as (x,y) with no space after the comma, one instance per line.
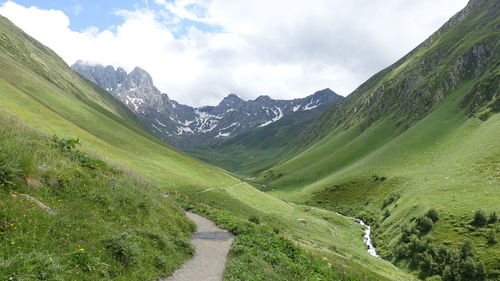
(285,49)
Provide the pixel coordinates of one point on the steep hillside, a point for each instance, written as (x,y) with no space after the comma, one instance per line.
(464,49)
(186,127)
(43,97)
(67,216)
(422,134)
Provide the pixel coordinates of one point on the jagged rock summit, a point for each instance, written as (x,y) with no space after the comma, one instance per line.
(184,126)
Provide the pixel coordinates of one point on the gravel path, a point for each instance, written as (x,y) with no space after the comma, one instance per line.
(212,245)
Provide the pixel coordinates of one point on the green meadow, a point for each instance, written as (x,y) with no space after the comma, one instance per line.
(42,97)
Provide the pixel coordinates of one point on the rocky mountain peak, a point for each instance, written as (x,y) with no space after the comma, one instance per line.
(324,92)
(231,100)
(263,98)
(140,78)
(184,126)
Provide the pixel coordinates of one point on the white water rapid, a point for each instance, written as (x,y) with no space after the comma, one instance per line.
(367,238)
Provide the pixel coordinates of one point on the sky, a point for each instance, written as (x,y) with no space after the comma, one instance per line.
(199,51)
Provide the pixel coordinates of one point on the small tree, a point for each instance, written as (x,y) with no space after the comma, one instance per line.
(493,218)
(433,215)
(480,218)
(424,224)
(467,250)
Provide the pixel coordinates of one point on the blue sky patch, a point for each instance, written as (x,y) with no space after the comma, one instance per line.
(101,14)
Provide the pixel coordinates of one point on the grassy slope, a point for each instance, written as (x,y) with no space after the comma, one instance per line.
(446,160)
(108,226)
(38,90)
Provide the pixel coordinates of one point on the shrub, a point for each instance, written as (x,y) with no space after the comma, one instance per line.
(471,269)
(406,233)
(433,215)
(493,218)
(121,248)
(491,236)
(480,218)
(377,178)
(386,214)
(434,278)
(65,144)
(467,249)
(391,199)
(424,224)
(254,219)
(425,265)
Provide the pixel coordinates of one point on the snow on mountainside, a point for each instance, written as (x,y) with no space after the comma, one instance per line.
(184,126)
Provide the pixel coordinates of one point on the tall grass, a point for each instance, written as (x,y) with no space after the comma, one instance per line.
(107,226)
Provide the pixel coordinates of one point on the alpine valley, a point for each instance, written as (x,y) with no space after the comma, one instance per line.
(397,181)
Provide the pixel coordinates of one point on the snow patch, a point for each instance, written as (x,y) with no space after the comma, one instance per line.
(233,124)
(312,105)
(156,127)
(186,123)
(295,108)
(278,114)
(160,123)
(223,135)
(182,130)
(135,102)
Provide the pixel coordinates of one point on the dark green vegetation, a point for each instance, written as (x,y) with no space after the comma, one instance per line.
(107,224)
(427,127)
(40,93)
(254,151)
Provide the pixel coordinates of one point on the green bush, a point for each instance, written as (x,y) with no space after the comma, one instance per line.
(391,199)
(122,249)
(65,144)
(254,219)
(424,224)
(386,214)
(480,218)
(377,178)
(493,218)
(433,215)
(437,262)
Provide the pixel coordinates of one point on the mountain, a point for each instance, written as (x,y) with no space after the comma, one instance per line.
(258,149)
(109,209)
(419,137)
(186,127)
